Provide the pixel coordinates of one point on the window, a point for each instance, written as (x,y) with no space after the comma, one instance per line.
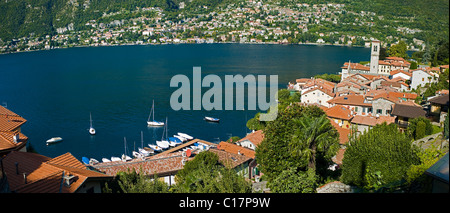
(379,111)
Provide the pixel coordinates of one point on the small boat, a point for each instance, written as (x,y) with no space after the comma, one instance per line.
(181,138)
(155,147)
(85,160)
(115,159)
(184,135)
(163,144)
(211,119)
(91,129)
(175,140)
(137,154)
(126,157)
(106,160)
(151,118)
(93,161)
(144,152)
(54,140)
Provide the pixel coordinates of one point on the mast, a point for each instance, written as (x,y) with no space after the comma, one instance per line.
(90,118)
(152,110)
(153,107)
(142,140)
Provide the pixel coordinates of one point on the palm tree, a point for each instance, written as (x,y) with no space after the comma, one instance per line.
(313,135)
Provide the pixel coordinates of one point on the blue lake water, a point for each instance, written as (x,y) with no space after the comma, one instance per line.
(56,90)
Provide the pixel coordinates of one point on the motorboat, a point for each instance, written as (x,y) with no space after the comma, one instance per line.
(54,140)
(184,135)
(181,138)
(115,159)
(211,119)
(106,160)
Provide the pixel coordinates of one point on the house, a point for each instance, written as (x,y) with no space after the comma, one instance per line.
(400,73)
(399,86)
(165,166)
(317,95)
(33,173)
(340,115)
(439,107)
(364,123)
(357,103)
(242,164)
(11,137)
(405,111)
(252,140)
(420,78)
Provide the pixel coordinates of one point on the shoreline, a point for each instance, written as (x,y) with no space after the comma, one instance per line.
(146,44)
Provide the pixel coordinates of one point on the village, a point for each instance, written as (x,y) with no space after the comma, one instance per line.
(367,95)
(242,22)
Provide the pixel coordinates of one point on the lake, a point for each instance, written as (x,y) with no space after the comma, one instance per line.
(55,90)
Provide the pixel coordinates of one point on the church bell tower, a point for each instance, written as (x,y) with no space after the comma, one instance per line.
(374,57)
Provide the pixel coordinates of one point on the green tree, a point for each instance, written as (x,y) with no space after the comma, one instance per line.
(292,181)
(420,130)
(413,130)
(135,182)
(312,136)
(381,156)
(398,50)
(204,174)
(282,138)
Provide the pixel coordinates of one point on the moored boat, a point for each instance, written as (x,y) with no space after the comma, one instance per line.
(54,140)
(211,119)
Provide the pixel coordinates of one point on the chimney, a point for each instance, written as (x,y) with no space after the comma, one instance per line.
(25,177)
(239,152)
(16,138)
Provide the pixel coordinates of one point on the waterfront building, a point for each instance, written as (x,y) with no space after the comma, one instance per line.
(11,136)
(34,173)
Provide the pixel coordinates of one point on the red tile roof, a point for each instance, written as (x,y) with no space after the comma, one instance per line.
(343,133)
(372,121)
(45,175)
(340,112)
(10,124)
(354,100)
(255,137)
(230,160)
(235,149)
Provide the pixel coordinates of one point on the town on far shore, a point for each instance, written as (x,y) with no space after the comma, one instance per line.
(382,91)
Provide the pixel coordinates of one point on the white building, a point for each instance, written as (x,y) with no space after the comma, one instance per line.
(420,78)
(317,96)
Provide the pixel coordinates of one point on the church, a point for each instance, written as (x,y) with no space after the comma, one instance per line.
(376,66)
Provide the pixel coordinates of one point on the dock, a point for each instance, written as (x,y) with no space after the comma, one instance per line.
(187,144)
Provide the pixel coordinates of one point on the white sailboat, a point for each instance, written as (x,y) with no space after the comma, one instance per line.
(125,157)
(163,143)
(151,118)
(106,160)
(144,152)
(91,129)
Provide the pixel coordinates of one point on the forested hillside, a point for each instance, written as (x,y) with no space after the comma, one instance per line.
(427,19)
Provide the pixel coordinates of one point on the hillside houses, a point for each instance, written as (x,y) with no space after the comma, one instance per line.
(364,99)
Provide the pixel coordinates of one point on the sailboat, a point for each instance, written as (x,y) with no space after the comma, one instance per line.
(144,152)
(152,122)
(163,143)
(91,129)
(125,157)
